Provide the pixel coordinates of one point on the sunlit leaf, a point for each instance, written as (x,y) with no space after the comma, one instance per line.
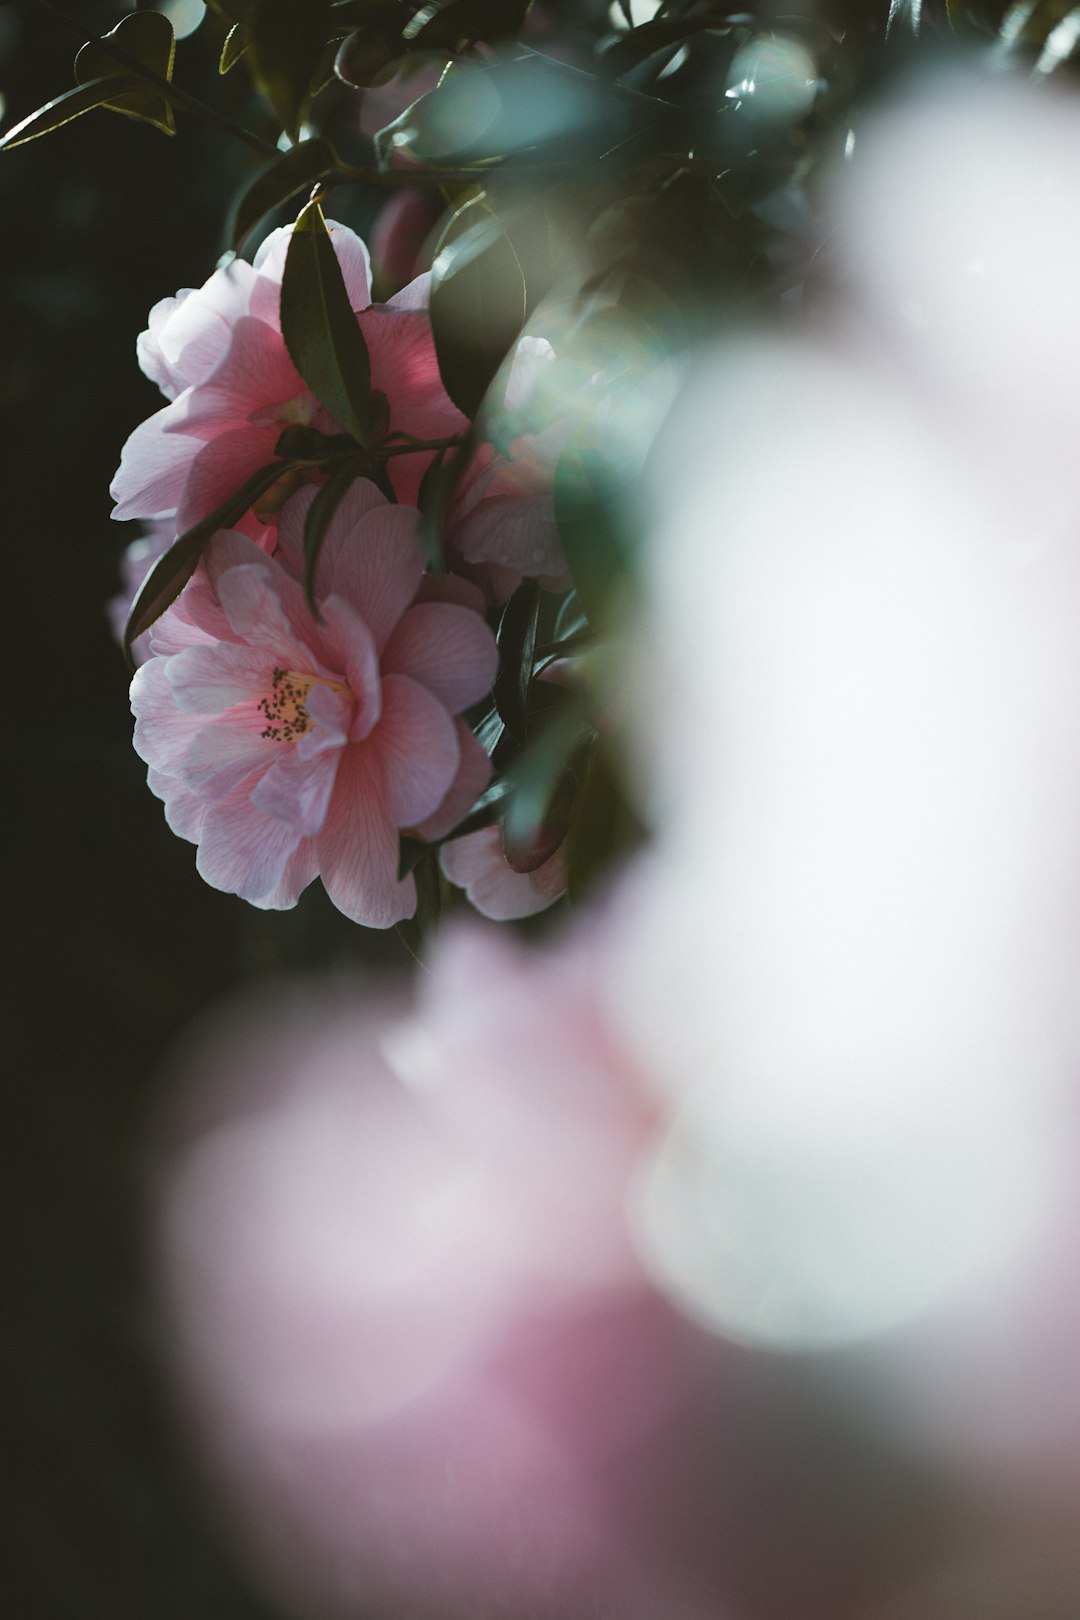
(236,43)
(62,109)
(284,177)
(320,329)
(146,38)
(172,571)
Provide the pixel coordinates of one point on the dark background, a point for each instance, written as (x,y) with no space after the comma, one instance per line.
(114,942)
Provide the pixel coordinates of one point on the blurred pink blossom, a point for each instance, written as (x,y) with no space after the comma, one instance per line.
(217,353)
(405,1309)
(289,748)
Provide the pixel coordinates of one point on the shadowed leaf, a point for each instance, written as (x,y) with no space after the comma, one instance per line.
(478,301)
(321,331)
(294,171)
(147,38)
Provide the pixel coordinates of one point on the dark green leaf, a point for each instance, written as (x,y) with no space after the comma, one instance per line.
(62,109)
(287,40)
(147,39)
(603,825)
(517,645)
(321,331)
(320,512)
(639,44)
(428,880)
(537,774)
(455,23)
(368,56)
(237,11)
(236,43)
(171,572)
(294,171)
(594,546)
(478,301)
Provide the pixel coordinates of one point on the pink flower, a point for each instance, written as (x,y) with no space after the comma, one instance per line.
(422,1356)
(477,863)
(287,747)
(218,354)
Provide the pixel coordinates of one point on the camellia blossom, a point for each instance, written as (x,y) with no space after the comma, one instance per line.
(218,355)
(135,564)
(287,747)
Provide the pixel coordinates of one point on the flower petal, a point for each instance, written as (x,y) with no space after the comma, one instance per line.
(358,847)
(297,790)
(243,850)
(213,676)
(418,750)
(350,646)
(153,471)
(448,649)
(221,468)
(474,774)
(376,565)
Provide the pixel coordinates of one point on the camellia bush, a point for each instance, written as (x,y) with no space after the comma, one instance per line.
(664,522)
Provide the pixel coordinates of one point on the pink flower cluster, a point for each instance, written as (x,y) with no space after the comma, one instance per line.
(217,354)
(289,747)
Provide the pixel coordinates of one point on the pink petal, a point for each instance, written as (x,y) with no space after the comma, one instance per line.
(517,532)
(301,869)
(162,734)
(243,850)
(296,790)
(415,296)
(153,471)
(376,565)
(221,468)
(404,365)
(448,649)
(184,813)
(351,648)
(358,847)
(252,378)
(359,499)
(227,752)
(254,601)
(418,751)
(192,331)
(476,864)
(213,676)
(352,256)
(474,774)
(452,588)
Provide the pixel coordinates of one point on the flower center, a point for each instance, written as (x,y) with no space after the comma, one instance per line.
(283,706)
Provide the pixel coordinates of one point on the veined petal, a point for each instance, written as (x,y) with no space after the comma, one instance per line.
(252,599)
(226,752)
(473,776)
(222,467)
(350,646)
(358,847)
(377,566)
(153,471)
(448,649)
(297,790)
(163,734)
(213,676)
(252,376)
(301,869)
(184,813)
(418,750)
(361,497)
(243,850)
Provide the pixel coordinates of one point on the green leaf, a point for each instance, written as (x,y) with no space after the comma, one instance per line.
(146,38)
(294,171)
(536,776)
(594,546)
(236,43)
(320,513)
(287,41)
(516,639)
(62,109)
(172,571)
(628,50)
(428,880)
(477,303)
(603,824)
(453,24)
(321,331)
(370,55)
